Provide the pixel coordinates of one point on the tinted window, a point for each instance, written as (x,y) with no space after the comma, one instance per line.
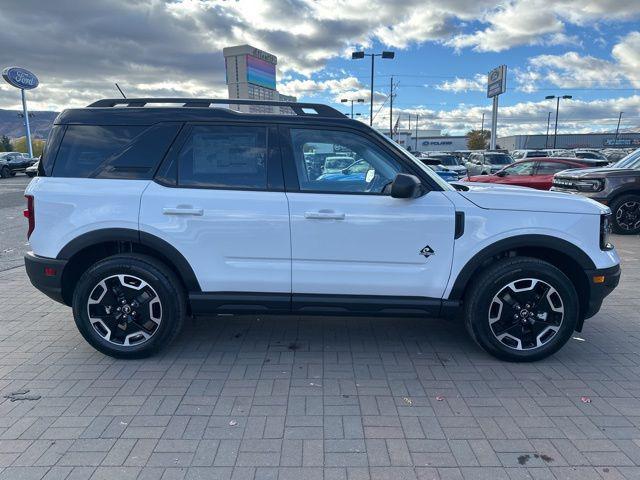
(537,153)
(549,168)
(361,166)
(498,159)
(224,157)
(126,152)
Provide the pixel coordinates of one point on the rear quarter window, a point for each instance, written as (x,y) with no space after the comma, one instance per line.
(113,151)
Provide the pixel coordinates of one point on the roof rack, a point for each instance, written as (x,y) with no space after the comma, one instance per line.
(301,109)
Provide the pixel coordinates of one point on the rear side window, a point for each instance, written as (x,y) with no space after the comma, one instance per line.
(45,166)
(113,151)
(219,156)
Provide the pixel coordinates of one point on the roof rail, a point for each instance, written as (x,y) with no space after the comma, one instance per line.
(302,109)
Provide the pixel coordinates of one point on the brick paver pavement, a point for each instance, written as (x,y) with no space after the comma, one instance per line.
(311,398)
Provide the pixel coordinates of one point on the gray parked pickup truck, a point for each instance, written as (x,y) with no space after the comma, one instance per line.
(617,186)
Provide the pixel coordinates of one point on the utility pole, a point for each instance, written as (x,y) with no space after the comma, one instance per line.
(482,126)
(391,111)
(417,116)
(546,139)
(618,127)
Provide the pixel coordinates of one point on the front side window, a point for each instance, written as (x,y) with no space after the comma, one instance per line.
(218,156)
(334,161)
(524,168)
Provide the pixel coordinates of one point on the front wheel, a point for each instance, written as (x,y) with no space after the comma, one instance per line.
(626,214)
(5,172)
(129,306)
(522,309)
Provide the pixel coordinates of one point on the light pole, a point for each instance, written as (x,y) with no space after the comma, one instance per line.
(618,129)
(546,139)
(558,97)
(358,56)
(359,100)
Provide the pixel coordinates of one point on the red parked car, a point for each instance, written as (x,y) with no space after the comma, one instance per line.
(535,172)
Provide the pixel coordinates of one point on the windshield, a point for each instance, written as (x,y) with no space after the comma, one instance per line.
(433,175)
(498,158)
(448,160)
(630,161)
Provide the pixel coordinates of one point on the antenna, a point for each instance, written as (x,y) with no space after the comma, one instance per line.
(120,90)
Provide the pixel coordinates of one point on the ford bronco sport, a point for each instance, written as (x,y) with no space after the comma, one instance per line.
(142,215)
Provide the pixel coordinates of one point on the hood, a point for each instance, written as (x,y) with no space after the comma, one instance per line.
(599,172)
(494,197)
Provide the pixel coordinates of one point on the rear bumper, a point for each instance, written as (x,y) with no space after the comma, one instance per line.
(598,291)
(45,274)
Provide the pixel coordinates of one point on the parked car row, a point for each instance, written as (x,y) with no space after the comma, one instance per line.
(14,162)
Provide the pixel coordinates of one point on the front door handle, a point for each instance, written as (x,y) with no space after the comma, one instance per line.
(183,211)
(324,215)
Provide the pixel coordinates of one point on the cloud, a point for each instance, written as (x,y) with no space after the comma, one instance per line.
(349,88)
(523,117)
(540,22)
(573,70)
(476,84)
(173,47)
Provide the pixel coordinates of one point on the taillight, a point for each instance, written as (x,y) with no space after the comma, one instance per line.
(30,215)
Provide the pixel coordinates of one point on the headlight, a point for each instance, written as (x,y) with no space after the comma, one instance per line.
(605,232)
(589,185)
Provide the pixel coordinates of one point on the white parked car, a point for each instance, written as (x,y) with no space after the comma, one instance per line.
(143,216)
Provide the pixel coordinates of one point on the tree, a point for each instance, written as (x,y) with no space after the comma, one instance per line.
(5,144)
(478,139)
(20,145)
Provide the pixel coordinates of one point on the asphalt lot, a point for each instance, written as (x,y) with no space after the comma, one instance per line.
(310,398)
(13,226)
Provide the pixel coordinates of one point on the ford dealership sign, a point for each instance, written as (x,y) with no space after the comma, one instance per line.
(20,78)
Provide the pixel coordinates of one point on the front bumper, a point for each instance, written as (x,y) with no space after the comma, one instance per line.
(46,275)
(598,291)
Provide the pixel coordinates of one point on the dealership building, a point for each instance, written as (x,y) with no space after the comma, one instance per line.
(578,140)
(251,74)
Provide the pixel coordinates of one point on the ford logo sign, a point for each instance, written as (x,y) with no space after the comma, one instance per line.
(20,78)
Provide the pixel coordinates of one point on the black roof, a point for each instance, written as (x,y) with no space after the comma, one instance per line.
(147,111)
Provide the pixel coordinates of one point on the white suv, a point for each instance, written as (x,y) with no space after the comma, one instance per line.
(141,216)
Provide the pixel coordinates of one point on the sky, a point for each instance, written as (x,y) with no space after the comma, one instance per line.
(589,49)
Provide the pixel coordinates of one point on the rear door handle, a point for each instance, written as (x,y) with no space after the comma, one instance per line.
(324,215)
(183,211)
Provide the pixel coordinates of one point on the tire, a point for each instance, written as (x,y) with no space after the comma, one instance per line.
(12,173)
(548,328)
(626,214)
(96,305)
(5,172)
(30,175)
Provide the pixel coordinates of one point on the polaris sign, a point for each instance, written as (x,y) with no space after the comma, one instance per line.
(20,78)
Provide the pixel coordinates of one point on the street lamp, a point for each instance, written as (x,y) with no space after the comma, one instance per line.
(359,100)
(360,55)
(551,97)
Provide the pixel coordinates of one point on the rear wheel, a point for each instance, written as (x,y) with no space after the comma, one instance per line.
(129,306)
(522,309)
(626,214)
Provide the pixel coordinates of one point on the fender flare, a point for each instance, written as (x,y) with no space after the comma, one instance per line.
(520,241)
(167,251)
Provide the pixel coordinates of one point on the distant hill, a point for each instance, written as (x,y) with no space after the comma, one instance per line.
(12,125)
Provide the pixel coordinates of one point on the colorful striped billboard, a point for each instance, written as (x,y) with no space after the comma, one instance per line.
(260,72)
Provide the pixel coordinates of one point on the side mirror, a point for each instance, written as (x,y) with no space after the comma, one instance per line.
(501,173)
(406,186)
